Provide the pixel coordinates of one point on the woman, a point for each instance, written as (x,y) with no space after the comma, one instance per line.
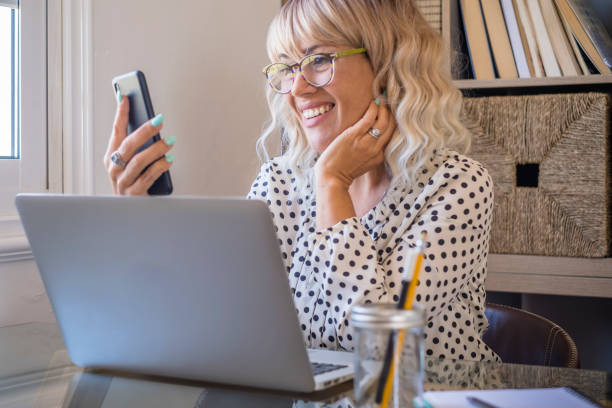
(369,115)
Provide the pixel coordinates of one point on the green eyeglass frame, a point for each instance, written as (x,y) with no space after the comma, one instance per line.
(271,69)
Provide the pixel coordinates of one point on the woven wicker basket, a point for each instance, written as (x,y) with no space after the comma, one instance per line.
(549,157)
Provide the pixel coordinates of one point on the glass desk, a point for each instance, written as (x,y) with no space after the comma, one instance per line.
(35,371)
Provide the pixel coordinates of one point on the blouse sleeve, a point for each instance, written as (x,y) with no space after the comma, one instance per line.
(259,187)
(455,212)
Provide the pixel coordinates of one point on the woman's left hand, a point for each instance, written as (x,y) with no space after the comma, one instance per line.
(355,151)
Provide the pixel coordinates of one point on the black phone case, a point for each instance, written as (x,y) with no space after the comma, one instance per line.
(133,85)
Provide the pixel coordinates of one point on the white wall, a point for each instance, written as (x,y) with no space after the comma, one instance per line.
(203,61)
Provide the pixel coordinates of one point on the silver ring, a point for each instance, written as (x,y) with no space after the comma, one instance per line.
(116,158)
(375,133)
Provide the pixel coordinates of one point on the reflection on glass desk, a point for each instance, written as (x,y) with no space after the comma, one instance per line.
(35,371)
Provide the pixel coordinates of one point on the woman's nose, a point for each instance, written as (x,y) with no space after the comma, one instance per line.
(301,86)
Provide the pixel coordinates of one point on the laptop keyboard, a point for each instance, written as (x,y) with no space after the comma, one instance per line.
(320,368)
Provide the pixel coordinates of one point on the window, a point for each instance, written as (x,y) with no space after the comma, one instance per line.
(23,113)
(9,81)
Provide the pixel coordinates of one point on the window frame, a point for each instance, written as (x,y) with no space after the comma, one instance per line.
(58,156)
(15,150)
(28,173)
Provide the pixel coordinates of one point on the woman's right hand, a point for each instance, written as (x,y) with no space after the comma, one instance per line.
(128,179)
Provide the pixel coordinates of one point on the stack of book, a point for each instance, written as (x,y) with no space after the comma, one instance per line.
(534,38)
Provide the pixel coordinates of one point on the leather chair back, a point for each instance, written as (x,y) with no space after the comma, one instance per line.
(522,337)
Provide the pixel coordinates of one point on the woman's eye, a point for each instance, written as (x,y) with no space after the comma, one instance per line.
(320,60)
(278,69)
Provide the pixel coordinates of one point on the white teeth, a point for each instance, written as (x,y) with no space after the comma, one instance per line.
(311,113)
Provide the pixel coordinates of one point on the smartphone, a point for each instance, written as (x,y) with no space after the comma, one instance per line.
(133,86)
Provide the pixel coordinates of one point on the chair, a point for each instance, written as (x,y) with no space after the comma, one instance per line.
(522,337)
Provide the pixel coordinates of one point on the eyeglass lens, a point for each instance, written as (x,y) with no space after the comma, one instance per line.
(317,70)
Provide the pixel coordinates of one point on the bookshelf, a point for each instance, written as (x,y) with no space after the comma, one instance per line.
(454,36)
(550,275)
(578,81)
(535,274)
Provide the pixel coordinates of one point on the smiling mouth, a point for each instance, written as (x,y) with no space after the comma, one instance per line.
(312,113)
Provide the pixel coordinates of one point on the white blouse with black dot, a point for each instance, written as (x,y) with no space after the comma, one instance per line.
(362,259)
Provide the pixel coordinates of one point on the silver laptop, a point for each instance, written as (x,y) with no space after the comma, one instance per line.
(175,286)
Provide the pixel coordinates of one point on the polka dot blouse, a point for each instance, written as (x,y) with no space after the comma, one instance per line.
(362,259)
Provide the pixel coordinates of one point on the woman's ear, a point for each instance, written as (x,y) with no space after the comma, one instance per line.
(380,83)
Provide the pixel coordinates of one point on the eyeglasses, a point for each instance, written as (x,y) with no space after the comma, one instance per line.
(316,69)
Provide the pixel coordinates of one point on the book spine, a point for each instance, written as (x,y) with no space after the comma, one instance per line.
(544,45)
(515,39)
(527,25)
(476,36)
(572,40)
(560,43)
(498,38)
(524,41)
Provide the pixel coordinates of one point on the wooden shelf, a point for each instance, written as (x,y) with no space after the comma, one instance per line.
(550,275)
(533,82)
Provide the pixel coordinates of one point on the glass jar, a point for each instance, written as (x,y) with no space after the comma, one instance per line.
(389,355)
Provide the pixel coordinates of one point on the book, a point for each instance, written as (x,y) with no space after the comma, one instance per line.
(572,40)
(524,41)
(461,67)
(561,46)
(456,38)
(592,69)
(534,397)
(515,39)
(498,39)
(582,37)
(527,26)
(594,28)
(544,45)
(478,46)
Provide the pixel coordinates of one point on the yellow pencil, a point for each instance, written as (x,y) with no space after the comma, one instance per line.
(401,335)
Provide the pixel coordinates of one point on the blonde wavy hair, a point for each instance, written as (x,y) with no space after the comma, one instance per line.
(409,61)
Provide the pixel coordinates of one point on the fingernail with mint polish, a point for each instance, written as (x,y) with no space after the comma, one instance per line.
(377,101)
(169,141)
(158,120)
(170,158)
(119,97)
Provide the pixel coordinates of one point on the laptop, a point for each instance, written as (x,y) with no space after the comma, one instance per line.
(185,287)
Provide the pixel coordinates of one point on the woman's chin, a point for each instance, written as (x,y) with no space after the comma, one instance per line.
(319,142)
